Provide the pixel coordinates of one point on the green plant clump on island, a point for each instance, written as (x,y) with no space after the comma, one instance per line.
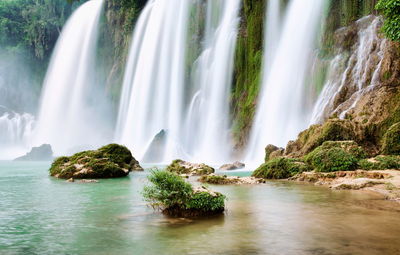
(175,197)
(280,168)
(380,163)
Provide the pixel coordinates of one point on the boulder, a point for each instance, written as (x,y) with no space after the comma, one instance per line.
(41,153)
(234,166)
(186,168)
(269,150)
(280,168)
(110,161)
(156,149)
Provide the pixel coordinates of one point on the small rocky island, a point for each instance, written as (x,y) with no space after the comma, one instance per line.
(110,161)
(40,153)
(182,167)
(175,197)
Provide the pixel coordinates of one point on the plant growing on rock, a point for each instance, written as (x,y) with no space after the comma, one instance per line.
(175,197)
(391,140)
(391,11)
(110,161)
(182,167)
(333,159)
(280,168)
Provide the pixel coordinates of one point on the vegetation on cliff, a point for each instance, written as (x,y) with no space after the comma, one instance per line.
(391,11)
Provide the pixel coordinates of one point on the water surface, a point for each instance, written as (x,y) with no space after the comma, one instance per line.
(43,215)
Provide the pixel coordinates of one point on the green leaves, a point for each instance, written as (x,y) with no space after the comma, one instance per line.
(390,9)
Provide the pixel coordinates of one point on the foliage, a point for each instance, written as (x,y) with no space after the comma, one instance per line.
(168,190)
(380,163)
(391,140)
(172,194)
(205,201)
(280,168)
(333,159)
(391,11)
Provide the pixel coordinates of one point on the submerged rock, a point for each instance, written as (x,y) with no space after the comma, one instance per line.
(234,166)
(41,153)
(186,168)
(107,162)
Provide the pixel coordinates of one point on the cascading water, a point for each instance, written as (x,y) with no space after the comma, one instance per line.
(157,94)
(67,117)
(272,34)
(16,132)
(280,115)
(207,123)
(152,96)
(350,75)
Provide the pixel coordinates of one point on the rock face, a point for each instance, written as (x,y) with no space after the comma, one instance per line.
(186,168)
(234,166)
(41,153)
(107,162)
(155,152)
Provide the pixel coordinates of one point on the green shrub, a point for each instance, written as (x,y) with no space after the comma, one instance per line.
(380,163)
(174,196)
(280,168)
(333,159)
(205,201)
(391,11)
(168,190)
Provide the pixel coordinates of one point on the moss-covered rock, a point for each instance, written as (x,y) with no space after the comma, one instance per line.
(280,168)
(350,147)
(110,161)
(269,150)
(316,135)
(332,159)
(223,179)
(391,140)
(183,167)
(176,197)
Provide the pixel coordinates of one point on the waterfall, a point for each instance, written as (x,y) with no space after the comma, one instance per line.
(350,75)
(157,93)
(69,117)
(207,124)
(16,131)
(152,96)
(280,115)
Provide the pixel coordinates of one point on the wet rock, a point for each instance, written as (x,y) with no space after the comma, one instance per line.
(183,167)
(41,153)
(155,151)
(110,161)
(234,166)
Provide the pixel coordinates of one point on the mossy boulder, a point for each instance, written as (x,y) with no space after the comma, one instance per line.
(391,140)
(316,135)
(332,159)
(280,168)
(110,161)
(349,147)
(175,197)
(234,166)
(183,167)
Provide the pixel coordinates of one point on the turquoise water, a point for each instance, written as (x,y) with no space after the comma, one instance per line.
(43,215)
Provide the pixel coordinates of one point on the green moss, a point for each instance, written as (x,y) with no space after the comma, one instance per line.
(391,140)
(280,168)
(333,159)
(182,167)
(107,162)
